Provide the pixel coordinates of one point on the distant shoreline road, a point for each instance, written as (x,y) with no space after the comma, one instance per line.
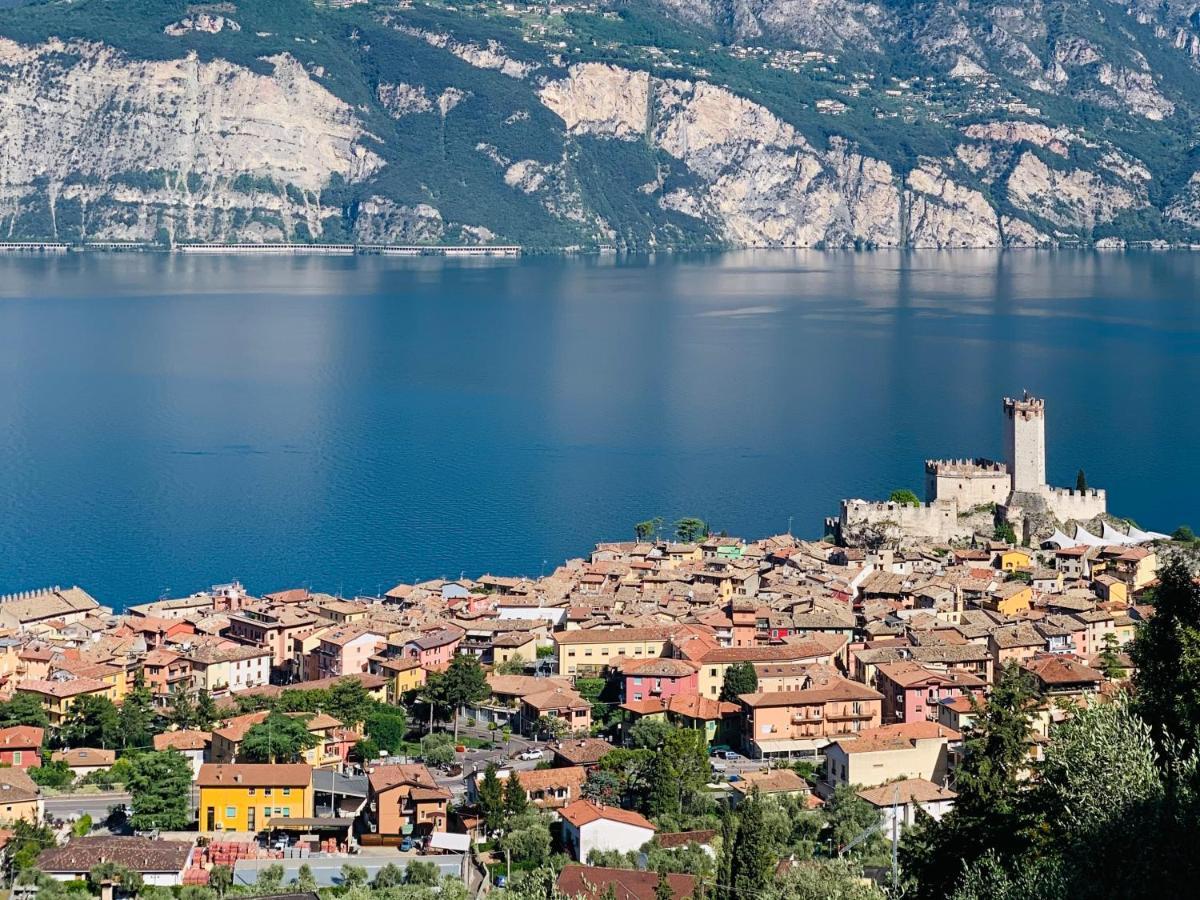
(265,249)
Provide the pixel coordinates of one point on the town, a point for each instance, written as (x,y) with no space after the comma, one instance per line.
(695,715)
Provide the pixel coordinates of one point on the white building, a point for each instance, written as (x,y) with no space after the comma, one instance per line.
(900,800)
(160,863)
(588,826)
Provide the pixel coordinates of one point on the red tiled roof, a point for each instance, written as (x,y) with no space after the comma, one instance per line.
(581,812)
(622,884)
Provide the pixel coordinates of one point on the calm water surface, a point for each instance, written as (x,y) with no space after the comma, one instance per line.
(168,422)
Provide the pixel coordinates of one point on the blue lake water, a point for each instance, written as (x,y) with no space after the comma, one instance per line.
(346,423)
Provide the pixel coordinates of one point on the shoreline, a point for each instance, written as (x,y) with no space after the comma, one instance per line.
(517,250)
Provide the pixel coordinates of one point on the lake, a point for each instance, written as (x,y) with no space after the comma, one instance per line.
(169,422)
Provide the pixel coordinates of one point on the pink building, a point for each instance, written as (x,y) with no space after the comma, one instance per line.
(435,649)
(645,679)
(346,650)
(912,692)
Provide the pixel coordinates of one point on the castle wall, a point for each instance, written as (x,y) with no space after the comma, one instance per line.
(967,490)
(929,521)
(1066,504)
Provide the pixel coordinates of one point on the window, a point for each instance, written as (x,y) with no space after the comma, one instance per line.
(16,757)
(587,652)
(287,813)
(637,681)
(287,792)
(266,792)
(570,653)
(712,672)
(230,812)
(637,696)
(251,791)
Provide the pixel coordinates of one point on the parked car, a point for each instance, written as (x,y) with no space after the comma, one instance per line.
(406,845)
(720,768)
(733,778)
(718,749)
(531,753)
(729,754)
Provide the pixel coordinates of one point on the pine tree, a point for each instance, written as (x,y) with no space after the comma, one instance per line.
(753,862)
(516,801)
(206,711)
(464,682)
(1110,658)
(491,799)
(662,890)
(1081,481)
(740,678)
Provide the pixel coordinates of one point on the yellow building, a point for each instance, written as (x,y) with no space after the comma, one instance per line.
(1010,598)
(587,651)
(1014,559)
(57,697)
(246,797)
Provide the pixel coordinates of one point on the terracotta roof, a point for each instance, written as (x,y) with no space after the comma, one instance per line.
(254,775)
(778,781)
(667,668)
(21,737)
(615,635)
(693,706)
(841,689)
(896,737)
(1059,671)
(593,883)
(582,751)
(139,854)
(582,812)
(672,839)
(415,779)
(183,739)
(916,790)
(85,756)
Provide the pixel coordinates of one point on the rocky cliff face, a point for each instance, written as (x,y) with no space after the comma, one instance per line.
(808,123)
(195,150)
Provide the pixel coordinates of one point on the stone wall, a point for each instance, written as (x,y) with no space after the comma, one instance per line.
(1077,505)
(861,521)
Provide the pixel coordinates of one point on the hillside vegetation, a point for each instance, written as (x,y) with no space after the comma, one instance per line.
(639,125)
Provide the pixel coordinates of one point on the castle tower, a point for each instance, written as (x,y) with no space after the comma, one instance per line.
(1025,442)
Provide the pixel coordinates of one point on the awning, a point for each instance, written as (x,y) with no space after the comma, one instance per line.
(290,824)
(444,840)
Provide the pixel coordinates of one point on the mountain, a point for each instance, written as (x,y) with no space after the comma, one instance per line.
(638,125)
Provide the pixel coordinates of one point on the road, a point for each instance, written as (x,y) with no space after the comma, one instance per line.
(74,805)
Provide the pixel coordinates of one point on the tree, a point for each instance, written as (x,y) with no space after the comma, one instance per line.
(206,711)
(514,665)
(137,715)
(1081,481)
(464,682)
(160,787)
(603,787)
(740,678)
(183,709)
(111,873)
(26,843)
(678,773)
(527,839)
(904,497)
(278,738)
(1166,657)
(1110,658)
(848,816)
(82,825)
(23,709)
(491,799)
(220,879)
(92,721)
(270,879)
(516,801)
(826,879)
(662,890)
(1004,532)
(551,726)
(646,530)
(52,774)
(387,727)
(1184,534)
(348,702)
(421,872)
(353,876)
(390,876)
(990,812)
(688,530)
(305,879)
(751,862)
(437,749)
(649,732)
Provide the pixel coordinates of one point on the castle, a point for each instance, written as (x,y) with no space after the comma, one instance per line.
(958,489)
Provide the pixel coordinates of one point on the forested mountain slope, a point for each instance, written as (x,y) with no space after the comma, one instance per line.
(642,124)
